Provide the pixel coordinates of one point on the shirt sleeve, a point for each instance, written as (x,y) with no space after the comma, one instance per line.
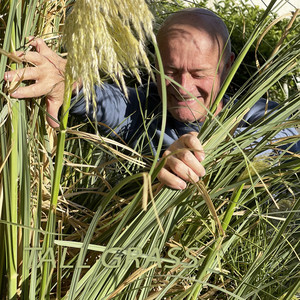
(115,114)
(258,111)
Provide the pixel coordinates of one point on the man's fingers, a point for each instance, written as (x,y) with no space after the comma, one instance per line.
(42,53)
(32,57)
(30,91)
(183,162)
(182,170)
(192,142)
(191,161)
(39,44)
(170,180)
(42,48)
(28,73)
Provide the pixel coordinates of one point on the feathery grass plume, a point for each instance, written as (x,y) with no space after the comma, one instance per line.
(108,36)
(258,165)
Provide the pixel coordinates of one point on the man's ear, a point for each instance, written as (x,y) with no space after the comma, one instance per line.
(228,65)
(230,61)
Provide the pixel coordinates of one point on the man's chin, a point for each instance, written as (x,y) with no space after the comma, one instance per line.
(187,116)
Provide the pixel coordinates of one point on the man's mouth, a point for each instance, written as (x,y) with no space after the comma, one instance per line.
(180,98)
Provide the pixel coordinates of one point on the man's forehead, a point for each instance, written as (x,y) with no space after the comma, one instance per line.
(181,35)
(201,20)
(190,30)
(186,31)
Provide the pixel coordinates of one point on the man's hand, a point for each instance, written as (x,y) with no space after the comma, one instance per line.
(183,162)
(47,71)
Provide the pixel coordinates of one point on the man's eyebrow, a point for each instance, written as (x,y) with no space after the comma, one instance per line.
(200,70)
(170,67)
(191,70)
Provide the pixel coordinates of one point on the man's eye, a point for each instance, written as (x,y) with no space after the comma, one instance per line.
(197,76)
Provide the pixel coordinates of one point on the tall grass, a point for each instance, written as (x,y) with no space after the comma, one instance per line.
(24,152)
(95,234)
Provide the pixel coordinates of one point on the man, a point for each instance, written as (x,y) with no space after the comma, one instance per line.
(192,42)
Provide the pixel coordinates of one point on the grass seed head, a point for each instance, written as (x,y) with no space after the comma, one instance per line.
(259,164)
(108,36)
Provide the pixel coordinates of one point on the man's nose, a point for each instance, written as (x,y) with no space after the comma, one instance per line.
(185,82)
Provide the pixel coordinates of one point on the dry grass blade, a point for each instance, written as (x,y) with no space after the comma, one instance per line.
(14,84)
(130,279)
(154,205)
(5,160)
(145,191)
(105,142)
(284,34)
(202,189)
(11,56)
(286,31)
(212,292)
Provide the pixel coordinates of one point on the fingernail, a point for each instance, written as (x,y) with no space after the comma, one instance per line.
(181,185)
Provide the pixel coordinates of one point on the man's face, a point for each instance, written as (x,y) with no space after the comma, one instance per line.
(190,57)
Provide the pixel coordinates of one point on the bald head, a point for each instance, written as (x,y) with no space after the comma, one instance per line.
(202,19)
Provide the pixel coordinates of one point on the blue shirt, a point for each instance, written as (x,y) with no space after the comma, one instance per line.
(141,112)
